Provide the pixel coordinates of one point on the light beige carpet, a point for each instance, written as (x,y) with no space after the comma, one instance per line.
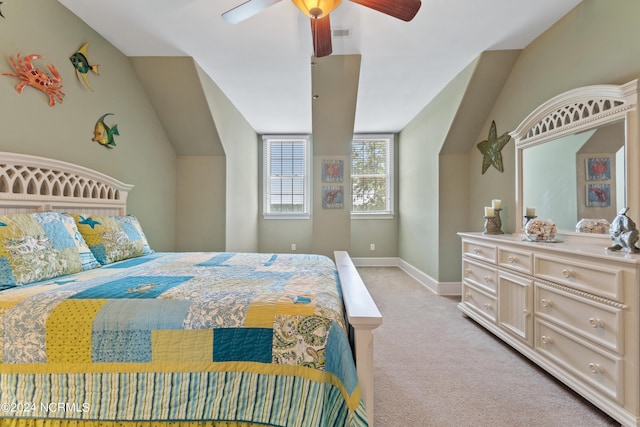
(435,367)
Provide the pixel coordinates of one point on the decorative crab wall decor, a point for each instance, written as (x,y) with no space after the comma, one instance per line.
(51,84)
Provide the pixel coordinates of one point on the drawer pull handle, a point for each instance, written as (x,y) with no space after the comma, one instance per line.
(467,295)
(596,323)
(526,313)
(567,273)
(487,279)
(546,340)
(546,303)
(512,259)
(467,271)
(476,251)
(595,368)
(487,306)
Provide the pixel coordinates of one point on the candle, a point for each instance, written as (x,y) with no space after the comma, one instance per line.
(531,212)
(496,204)
(488,211)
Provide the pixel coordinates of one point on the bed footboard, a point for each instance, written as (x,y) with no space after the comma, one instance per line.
(363,316)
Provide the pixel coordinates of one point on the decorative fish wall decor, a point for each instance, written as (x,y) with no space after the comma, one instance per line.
(82,66)
(103,134)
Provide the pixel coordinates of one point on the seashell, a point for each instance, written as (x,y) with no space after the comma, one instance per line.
(540,230)
(598,226)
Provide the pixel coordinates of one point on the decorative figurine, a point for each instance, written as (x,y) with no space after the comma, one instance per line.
(103,134)
(623,233)
(82,66)
(491,149)
(34,77)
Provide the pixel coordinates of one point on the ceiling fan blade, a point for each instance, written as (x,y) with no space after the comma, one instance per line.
(247,9)
(321,34)
(401,9)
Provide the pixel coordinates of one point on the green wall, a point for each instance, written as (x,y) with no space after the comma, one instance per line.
(200,203)
(240,143)
(596,43)
(31,126)
(419,166)
(439,190)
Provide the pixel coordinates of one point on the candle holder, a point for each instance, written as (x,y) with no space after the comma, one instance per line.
(490,226)
(528,218)
(498,221)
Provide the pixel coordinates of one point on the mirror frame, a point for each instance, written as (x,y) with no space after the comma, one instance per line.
(575,111)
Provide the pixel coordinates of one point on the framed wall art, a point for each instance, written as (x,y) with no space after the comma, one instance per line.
(598,168)
(332,197)
(332,171)
(598,195)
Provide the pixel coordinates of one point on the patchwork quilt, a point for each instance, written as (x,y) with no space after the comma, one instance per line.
(247,338)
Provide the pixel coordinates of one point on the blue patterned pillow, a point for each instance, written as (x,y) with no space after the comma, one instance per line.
(39,246)
(113,238)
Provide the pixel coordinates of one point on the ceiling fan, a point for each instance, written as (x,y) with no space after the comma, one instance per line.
(319,10)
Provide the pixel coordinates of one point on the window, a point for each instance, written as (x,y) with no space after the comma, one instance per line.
(371,174)
(286,166)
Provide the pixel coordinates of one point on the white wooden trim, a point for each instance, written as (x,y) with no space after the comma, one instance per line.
(575,111)
(31,183)
(376,262)
(363,315)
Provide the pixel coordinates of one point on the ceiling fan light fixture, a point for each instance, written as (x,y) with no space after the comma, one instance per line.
(316,8)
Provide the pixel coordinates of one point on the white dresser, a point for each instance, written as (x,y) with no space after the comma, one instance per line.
(570,308)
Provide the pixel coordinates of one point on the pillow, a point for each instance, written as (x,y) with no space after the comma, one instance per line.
(112,238)
(39,246)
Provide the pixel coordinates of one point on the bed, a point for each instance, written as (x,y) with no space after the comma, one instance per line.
(98,329)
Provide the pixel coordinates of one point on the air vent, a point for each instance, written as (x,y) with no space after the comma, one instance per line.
(341,32)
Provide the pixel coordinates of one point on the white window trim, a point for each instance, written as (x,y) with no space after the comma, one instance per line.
(387,214)
(266,177)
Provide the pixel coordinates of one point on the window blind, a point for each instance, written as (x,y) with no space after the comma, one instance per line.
(286,176)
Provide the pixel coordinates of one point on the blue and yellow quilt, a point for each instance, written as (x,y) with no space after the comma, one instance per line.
(232,337)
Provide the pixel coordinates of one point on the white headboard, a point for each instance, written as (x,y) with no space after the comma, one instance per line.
(31,183)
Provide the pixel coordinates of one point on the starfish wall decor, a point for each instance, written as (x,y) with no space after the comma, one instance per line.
(491,149)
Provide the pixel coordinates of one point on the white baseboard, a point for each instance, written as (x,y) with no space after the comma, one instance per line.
(376,262)
(439,288)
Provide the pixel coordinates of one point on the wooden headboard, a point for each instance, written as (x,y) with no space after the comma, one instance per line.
(31,183)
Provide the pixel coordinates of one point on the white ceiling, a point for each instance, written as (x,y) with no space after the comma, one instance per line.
(263,63)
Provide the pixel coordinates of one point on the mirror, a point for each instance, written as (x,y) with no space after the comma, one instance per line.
(572,154)
(575,177)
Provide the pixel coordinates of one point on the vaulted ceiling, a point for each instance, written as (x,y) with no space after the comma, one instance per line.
(263,65)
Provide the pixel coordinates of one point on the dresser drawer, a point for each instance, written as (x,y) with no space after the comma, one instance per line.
(597,368)
(599,322)
(482,251)
(593,278)
(514,259)
(480,275)
(479,301)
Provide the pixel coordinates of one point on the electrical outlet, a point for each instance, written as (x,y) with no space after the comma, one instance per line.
(293,246)
(372,247)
